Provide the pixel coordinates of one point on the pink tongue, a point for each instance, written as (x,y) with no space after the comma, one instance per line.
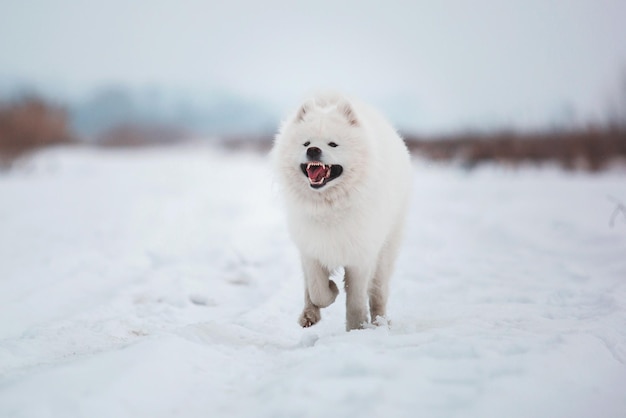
(316,173)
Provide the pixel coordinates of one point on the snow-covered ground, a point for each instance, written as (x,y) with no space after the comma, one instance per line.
(162,283)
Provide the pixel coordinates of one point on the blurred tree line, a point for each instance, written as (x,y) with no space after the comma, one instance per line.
(30,122)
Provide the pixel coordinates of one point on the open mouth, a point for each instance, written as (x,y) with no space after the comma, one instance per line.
(319,173)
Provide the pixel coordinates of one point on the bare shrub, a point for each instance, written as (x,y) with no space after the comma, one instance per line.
(28,124)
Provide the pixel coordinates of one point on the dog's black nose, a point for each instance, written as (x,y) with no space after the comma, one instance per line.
(313,152)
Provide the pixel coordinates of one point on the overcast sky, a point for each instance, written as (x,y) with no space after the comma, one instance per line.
(437,65)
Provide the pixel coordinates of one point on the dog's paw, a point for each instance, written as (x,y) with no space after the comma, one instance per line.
(382,321)
(309,317)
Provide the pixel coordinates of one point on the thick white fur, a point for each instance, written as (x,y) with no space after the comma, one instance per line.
(355,221)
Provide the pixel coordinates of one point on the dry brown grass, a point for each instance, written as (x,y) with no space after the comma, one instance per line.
(141,135)
(590,149)
(252,143)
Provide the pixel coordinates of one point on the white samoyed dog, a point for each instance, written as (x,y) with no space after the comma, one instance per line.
(345,175)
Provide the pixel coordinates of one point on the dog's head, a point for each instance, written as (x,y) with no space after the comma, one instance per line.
(323,147)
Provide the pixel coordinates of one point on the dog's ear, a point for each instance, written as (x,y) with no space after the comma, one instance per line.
(304,109)
(346,110)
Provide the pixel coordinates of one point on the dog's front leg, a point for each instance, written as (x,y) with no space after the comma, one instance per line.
(356,280)
(319,292)
(322,290)
(310,314)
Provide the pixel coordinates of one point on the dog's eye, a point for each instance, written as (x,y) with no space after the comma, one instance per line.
(332,144)
(307,143)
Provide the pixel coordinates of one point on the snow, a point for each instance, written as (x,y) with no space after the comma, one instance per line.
(162,283)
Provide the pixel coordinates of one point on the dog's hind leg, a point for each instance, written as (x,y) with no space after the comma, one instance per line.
(379,286)
(379,292)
